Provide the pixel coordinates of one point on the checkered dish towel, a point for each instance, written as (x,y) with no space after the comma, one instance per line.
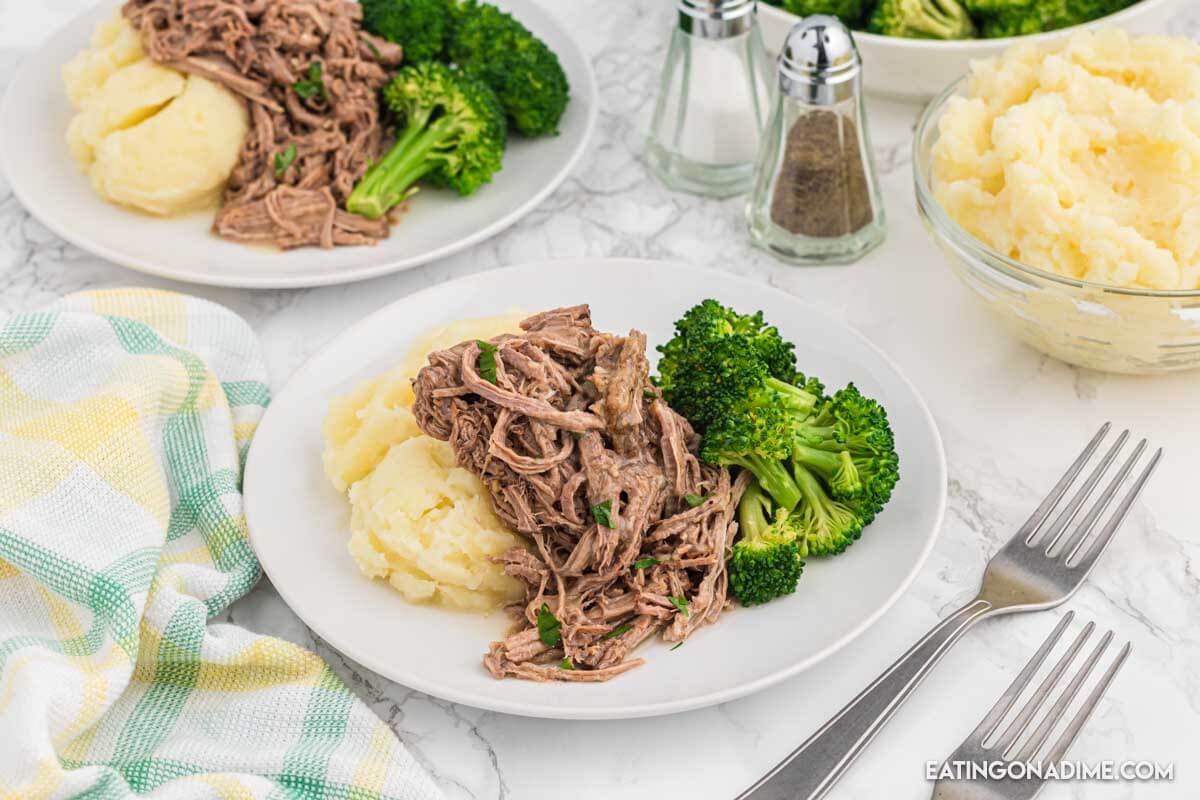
(124,422)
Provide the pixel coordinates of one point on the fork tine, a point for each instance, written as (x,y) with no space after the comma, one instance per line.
(1087,557)
(1085,711)
(1046,726)
(1084,528)
(1068,514)
(992,720)
(1018,725)
(1042,512)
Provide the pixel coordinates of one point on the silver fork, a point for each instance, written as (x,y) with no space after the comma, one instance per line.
(1038,568)
(980,746)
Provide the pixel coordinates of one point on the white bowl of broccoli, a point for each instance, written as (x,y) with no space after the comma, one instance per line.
(912,49)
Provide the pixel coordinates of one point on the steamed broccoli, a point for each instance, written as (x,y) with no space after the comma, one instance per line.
(825,526)
(848,11)
(419,26)
(452,135)
(922,19)
(709,320)
(849,444)
(1035,16)
(765,562)
(519,67)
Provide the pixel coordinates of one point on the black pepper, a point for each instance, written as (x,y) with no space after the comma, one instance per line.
(822,189)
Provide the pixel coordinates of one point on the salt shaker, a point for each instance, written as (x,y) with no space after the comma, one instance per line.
(816,198)
(713,99)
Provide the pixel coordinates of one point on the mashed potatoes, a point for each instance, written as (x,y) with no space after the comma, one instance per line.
(1082,158)
(148,136)
(417,520)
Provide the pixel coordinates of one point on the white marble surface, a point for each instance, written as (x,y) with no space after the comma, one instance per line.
(1008,415)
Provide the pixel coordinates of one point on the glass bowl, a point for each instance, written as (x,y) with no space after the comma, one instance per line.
(1107,328)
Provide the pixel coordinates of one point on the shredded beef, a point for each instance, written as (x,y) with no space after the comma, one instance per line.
(260,49)
(572,424)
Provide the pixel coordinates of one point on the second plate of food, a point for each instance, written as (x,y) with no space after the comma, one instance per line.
(361,517)
(145,150)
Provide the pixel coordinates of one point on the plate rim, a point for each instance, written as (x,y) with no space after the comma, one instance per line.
(559,711)
(335,277)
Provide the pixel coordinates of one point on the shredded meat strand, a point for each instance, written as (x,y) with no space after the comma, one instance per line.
(572,424)
(260,49)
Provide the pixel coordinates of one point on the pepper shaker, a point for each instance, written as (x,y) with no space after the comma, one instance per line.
(816,198)
(713,99)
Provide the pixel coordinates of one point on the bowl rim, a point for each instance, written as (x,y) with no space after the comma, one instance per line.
(945,226)
(998,43)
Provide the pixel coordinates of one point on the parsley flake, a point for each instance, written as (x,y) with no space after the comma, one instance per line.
(694,500)
(313,85)
(649,394)
(680,603)
(548,627)
(487,361)
(284,160)
(602,513)
(566,663)
(617,631)
(645,563)
(677,646)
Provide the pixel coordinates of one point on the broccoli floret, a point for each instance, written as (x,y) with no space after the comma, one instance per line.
(922,19)
(523,71)
(824,526)
(765,562)
(756,440)
(419,26)
(1037,16)
(849,444)
(709,320)
(452,135)
(850,12)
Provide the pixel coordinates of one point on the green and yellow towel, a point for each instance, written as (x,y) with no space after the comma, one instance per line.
(125,418)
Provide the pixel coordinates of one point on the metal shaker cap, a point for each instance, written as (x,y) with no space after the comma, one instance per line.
(819,61)
(716,19)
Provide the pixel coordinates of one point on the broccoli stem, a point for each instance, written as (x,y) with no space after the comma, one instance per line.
(792,397)
(811,491)
(390,182)
(774,478)
(753,511)
(837,468)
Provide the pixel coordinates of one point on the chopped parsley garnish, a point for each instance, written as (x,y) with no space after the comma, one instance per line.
(549,628)
(566,663)
(371,46)
(680,603)
(617,631)
(645,563)
(284,160)
(694,500)
(313,85)
(602,513)
(577,434)
(487,361)
(649,394)
(677,646)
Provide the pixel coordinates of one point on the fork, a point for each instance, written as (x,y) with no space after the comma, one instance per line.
(1039,568)
(976,748)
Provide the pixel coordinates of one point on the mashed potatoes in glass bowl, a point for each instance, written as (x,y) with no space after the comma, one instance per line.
(417,520)
(1063,181)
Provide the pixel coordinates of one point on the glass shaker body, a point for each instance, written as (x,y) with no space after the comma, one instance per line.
(816,198)
(713,100)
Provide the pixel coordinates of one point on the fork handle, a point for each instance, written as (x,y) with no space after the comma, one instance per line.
(812,768)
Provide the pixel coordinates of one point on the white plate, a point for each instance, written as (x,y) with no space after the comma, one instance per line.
(918,69)
(299,523)
(44,177)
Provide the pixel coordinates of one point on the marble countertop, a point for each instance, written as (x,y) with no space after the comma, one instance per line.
(1009,416)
